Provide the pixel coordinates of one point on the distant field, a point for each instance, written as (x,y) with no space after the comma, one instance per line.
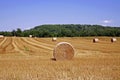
(23,58)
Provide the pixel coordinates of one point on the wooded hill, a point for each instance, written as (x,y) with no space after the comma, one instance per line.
(66,30)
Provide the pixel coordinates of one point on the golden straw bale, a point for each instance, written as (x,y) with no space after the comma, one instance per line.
(63,51)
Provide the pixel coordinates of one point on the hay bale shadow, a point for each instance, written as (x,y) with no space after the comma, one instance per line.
(53,59)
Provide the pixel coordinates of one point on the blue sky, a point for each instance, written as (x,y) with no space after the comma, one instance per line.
(27,14)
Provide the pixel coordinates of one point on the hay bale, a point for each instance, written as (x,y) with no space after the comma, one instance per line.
(30,36)
(1,36)
(95,40)
(63,51)
(113,39)
(54,39)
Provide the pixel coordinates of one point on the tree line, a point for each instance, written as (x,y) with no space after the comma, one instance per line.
(65,30)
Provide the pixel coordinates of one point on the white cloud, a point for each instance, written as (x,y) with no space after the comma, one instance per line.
(107,21)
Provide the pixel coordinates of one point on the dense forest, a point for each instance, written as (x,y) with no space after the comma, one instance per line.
(65,30)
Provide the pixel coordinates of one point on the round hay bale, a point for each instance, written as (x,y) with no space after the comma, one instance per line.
(113,39)
(95,40)
(54,39)
(1,36)
(30,36)
(63,51)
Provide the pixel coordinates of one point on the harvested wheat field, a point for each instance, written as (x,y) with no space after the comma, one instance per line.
(32,59)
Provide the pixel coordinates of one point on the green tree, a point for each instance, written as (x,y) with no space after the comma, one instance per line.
(19,32)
